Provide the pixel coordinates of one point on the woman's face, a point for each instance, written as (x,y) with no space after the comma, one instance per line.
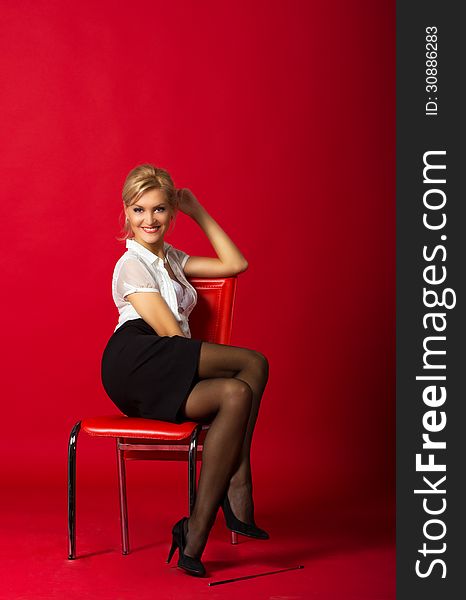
(150,218)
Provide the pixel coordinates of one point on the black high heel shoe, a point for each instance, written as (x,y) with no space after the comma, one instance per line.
(191,565)
(238,526)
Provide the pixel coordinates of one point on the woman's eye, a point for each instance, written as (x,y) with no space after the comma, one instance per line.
(138,208)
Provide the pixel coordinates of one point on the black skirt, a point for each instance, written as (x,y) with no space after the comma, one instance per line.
(148,375)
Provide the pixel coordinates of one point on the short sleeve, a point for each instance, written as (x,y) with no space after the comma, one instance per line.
(134,277)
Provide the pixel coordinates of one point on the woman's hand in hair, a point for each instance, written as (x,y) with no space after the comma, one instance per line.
(187,202)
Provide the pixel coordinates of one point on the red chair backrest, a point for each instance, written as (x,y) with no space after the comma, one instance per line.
(212,317)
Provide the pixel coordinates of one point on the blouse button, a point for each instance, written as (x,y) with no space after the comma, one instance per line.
(180,309)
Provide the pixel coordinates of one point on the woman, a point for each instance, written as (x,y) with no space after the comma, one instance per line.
(152,368)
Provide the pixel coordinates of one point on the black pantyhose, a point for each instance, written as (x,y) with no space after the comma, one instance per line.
(228,396)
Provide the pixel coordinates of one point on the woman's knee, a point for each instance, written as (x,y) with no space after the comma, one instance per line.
(237,396)
(261,362)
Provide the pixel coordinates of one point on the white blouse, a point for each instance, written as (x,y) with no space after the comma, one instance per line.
(140,270)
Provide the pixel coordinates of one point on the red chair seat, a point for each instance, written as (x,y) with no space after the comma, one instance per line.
(135,427)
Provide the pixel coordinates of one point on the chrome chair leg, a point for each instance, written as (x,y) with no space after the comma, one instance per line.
(72,443)
(122,496)
(192,465)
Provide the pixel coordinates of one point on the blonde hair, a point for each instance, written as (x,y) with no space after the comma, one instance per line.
(141,179)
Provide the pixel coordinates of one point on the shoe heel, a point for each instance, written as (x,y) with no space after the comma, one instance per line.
(172,550)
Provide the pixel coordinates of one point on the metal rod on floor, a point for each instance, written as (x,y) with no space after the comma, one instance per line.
(258,575)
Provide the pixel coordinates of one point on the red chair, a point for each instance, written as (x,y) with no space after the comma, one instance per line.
(149,439)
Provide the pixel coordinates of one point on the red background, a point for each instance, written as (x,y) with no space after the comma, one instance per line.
(280,118)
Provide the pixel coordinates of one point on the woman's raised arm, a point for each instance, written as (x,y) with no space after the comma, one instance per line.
(230,260)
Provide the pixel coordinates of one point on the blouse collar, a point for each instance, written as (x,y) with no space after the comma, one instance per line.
(132,244)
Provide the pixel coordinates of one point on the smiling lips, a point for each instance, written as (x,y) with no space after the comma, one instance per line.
(151,229)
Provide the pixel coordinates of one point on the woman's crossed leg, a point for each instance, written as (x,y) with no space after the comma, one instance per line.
(229,394)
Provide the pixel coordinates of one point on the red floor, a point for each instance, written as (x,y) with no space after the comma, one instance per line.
(346,553)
